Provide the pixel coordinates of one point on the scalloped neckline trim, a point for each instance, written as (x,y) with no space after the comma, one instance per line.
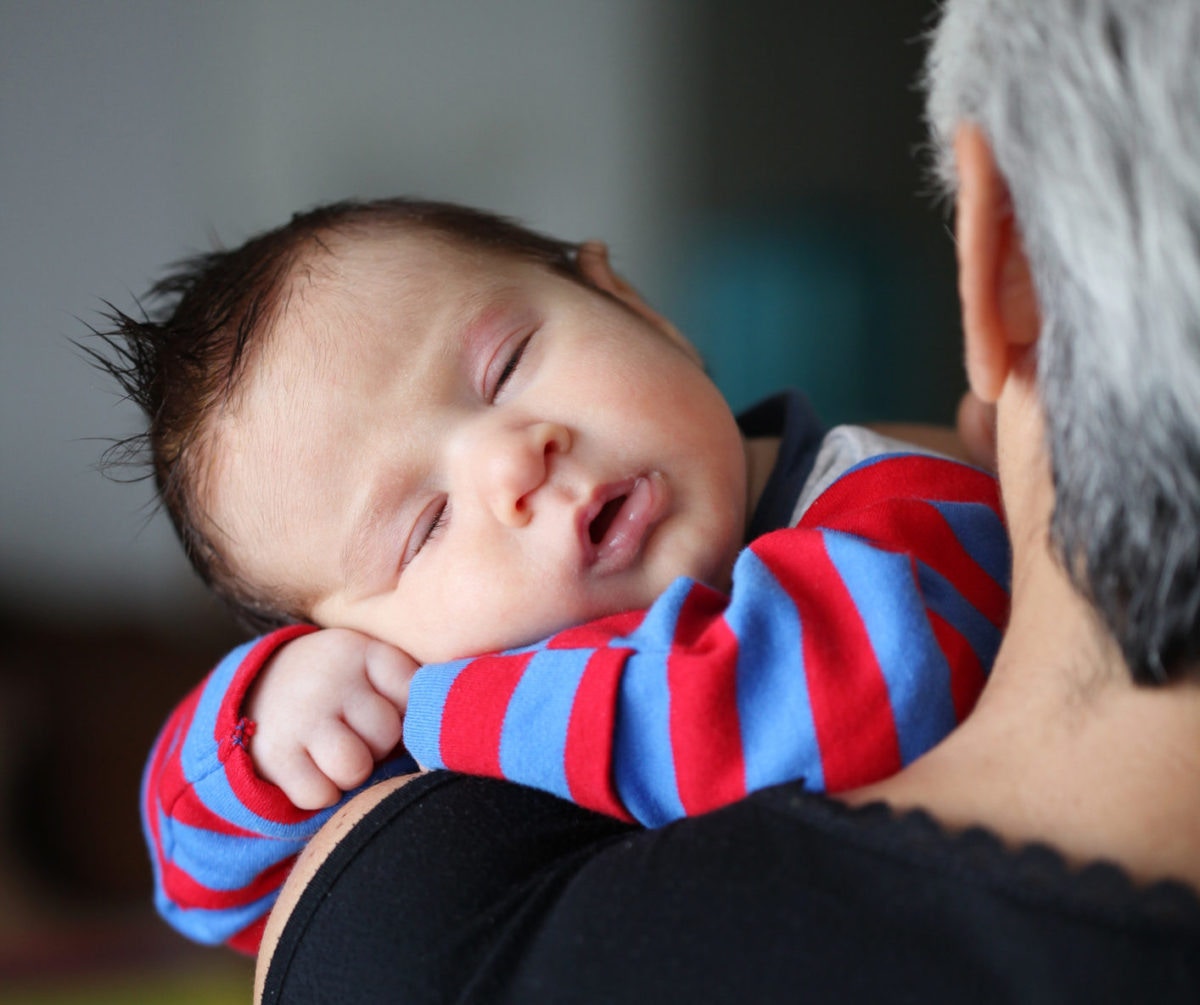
(1035,873)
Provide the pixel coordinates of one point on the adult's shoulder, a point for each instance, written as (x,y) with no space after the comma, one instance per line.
(410,889)
(455,888)
(310,861)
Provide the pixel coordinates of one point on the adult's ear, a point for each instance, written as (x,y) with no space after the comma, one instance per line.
(597,270)
(999,303)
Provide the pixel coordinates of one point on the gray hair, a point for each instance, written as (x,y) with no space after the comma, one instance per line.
(1092,110)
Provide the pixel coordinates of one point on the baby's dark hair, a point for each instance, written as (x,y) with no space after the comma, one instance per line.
(201,324)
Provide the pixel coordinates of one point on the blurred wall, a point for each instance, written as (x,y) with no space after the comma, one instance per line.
(134,132)
(812,252)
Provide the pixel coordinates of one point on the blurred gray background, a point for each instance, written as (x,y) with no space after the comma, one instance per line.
(752,164)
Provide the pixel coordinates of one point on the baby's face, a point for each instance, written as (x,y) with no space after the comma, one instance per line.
(458,452)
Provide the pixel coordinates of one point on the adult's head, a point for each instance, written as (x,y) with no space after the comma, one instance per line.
(1086,112)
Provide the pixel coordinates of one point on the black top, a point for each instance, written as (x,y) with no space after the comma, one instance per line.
(471,890)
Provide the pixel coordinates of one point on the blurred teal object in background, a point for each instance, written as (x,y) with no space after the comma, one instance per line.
(838,305)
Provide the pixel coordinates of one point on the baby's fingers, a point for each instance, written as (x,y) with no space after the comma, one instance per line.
(342,756)
(306,785)
(389,670)
(375,720)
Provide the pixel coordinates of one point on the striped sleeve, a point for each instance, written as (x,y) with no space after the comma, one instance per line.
(847,647)
(221,839)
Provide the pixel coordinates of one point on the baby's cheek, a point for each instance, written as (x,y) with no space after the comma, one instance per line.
(532,616)
(472,611)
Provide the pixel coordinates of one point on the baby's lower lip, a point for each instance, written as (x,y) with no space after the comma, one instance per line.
(642,504)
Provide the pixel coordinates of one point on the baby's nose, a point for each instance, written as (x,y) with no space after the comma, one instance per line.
(516,464)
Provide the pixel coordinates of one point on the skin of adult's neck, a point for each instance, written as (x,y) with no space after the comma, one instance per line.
(1063,747)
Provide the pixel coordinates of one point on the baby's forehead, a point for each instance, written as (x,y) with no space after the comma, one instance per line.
(343,273)
(405,270)
(379,293)
(336,260)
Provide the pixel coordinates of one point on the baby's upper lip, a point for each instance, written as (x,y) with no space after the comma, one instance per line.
(616,519)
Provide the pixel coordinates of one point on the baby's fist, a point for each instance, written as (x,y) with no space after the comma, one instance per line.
(327,707)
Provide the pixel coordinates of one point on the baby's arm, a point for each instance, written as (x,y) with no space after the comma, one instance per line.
(222,839)
(848,646)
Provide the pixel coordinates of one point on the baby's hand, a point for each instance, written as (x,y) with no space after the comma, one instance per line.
(327,707)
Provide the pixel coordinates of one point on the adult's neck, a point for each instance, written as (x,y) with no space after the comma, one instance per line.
(1063,747)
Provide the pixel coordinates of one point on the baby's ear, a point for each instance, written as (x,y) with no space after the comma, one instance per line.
(598,271)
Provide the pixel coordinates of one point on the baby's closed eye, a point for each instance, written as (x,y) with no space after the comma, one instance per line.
(429,525)
(510,367)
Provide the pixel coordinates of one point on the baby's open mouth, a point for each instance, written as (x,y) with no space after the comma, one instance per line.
(599,527)
(613,535)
